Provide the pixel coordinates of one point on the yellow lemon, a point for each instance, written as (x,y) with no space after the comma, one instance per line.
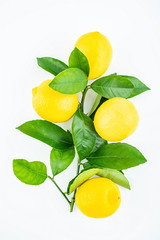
(116,119)
(98,197)
(97,48)
(51,105)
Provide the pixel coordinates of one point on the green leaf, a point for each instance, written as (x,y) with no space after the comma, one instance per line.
(98,101)
(32,173)
(84,135)
(87,165)
(115,176)
(96,104)
(139,87)
(99,143)
(70,134)
(81,178)
(113,86)
(51,65)
(60,159)
(112,174)
(78,60)
(116,156)
(47,132)
(102,100)
(70,81)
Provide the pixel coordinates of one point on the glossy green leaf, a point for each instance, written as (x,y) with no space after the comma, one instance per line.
(32,173)
(51,65)
(117,156)
(113,86)
(99,143)
(81,178)
(47,132)
(112,174)
(115,176)
(102,100)
(60,159)
(139,87)
(78,60)
(70,81)
(70,134)
(84,135)
(96,104)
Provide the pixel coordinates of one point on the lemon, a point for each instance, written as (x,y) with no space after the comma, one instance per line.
(116,119)
(97,48)
(52,105)
(98,197)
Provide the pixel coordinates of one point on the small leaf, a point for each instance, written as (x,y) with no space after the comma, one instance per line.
(84,135)
(78,60)
(100,103)
(96,104)
(51,65)
(47,132)
(81,178)
(112,174)
(116,156)
(139,87)
(32,173)
(87,165)
(115,176)
(113,86)
(70,81)
(60,159)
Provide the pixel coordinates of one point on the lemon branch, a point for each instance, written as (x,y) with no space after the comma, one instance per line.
(59,189)
(73,198)
(78,163)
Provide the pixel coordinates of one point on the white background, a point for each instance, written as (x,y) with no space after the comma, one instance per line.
(30,29)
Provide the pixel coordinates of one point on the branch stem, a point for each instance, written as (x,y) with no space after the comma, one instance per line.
(74,194)
(52,179)
(83,98)
(79,162)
